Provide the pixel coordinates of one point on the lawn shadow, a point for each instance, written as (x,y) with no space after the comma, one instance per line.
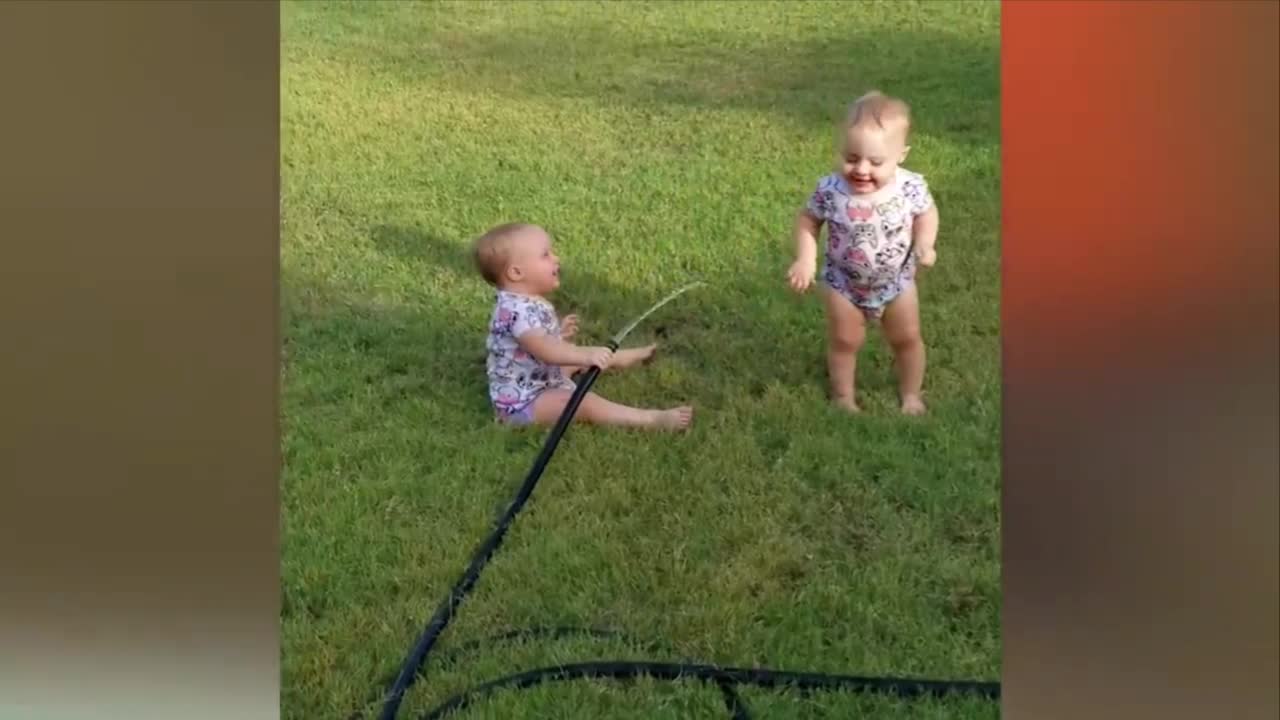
(353,353)
(604,306)
(355,350)
(418,245)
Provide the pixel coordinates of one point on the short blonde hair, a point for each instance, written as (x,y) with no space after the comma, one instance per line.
(492,250)
(883,111)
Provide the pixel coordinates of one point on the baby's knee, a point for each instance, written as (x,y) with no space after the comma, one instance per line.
(906,340)
(848,339)
(593,407)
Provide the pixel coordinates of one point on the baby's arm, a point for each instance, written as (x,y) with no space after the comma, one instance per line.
(554,351)
(924,234)
(924,213)
(805,234)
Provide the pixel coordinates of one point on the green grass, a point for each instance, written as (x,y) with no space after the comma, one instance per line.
(660,142)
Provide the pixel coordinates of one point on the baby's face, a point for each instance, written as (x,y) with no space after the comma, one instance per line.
(870,157)
(532,261)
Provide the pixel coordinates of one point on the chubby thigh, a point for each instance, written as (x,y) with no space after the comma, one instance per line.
(899,318)
(846,324)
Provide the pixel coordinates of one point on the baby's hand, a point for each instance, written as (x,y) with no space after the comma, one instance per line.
(800,275)
(927,257)
(596,357)
(568,327)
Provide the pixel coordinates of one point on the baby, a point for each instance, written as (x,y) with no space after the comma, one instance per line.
(881,222)
(530,357)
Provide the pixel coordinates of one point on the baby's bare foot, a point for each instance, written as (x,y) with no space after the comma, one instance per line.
(913,405)
(632,356)
(846,403)
(674,419)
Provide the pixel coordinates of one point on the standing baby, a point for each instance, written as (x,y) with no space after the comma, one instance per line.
(881,221)
(530,356)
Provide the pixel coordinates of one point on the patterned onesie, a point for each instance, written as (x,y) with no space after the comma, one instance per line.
(517,378)
(868,256)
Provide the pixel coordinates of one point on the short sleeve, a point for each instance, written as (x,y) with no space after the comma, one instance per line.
(822,199)
(513,315)
(520,321)
(532,315)
(916,190)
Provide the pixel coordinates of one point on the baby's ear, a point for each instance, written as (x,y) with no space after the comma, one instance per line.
(905,152)
(514,273)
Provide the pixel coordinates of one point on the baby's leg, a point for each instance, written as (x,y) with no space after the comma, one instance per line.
(902,330)
(595,409)
(846,331)
(632,356)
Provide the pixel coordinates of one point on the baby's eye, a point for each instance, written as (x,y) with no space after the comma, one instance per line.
(877,163)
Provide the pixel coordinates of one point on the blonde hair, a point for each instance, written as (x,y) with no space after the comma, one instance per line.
(888,113)
(492,250)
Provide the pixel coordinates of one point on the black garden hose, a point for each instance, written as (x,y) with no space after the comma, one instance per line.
(723,676)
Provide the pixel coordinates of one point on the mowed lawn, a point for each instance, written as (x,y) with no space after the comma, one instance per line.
(660,143)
